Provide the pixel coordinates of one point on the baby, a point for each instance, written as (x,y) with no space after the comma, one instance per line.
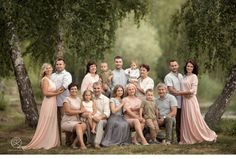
(105,77)
(133,72)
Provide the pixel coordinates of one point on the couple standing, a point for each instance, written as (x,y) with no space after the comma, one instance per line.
(190,125)
(54,87)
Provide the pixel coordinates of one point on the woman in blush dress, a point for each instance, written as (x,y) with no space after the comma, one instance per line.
(132,114)
(47,134)
(117,131)
(71,121)
(90,77)
(193,127)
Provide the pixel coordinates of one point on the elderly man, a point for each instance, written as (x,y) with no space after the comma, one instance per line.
(103,111)
(167,106)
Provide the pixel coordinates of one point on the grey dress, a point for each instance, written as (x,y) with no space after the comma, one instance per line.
(117,131)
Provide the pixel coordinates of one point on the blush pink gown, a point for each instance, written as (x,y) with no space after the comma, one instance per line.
(193,127)
(47,133)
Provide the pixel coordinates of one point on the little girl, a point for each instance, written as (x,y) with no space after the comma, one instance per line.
(90,108)
(133,72)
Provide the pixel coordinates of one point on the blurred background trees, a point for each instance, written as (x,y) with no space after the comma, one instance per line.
(148,31)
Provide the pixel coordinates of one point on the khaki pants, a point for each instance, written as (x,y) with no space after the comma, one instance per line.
(153,126)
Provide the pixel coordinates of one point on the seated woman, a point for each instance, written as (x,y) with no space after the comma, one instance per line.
(71,120)
(132,114)
(117,131)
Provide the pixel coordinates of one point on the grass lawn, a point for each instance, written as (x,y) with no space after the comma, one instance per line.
(226,144)
(12,125)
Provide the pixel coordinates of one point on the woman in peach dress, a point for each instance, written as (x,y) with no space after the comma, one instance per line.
(193,127)
(132,105)
(47,134)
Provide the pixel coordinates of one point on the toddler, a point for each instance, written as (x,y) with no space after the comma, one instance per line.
(105,77)
(133,72)
(90,108)
(149,112)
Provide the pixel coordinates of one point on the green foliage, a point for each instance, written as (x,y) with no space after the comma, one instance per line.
(206,31)
(3,102)
(161,12)
(227,126)
(135,43)
(208,88)
(86,27)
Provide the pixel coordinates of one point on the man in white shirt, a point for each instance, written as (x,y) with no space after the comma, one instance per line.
(103,111)
(173,82)
(62,78)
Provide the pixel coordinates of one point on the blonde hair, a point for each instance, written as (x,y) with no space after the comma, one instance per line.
(86,91)
(130,85)
(43,69)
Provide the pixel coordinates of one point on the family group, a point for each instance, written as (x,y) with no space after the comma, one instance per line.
(118,107)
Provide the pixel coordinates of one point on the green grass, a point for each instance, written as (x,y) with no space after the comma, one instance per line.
(226,144)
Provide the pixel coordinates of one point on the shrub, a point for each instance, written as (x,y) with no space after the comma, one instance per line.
(3,102)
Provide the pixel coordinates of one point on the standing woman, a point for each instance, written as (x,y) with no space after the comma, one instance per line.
(144,82)
(193,127)
(46,135)
(90,77)
(117,131)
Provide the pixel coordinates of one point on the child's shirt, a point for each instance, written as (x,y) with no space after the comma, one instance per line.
(88,106)
(149,109)
(104,75)
(132,73)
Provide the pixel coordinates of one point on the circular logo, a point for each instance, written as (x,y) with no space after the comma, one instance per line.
(16,142)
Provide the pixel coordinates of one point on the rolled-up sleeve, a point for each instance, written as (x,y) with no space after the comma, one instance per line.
(67,80)
(106,107)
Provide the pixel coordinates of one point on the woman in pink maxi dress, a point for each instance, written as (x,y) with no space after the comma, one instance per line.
(47,133)
(193,127)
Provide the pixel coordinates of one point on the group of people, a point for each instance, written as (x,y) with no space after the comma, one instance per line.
(115,106)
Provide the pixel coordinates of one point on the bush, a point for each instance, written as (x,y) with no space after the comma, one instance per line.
(227,127)
(3,102)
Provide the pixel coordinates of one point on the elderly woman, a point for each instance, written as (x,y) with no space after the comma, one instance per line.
(144,82)
(90,77)
(71,120)
(132,114)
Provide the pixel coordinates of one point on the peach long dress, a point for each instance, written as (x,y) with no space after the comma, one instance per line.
(47,133)
(193,127)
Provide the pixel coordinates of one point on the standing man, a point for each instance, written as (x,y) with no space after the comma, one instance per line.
(173,82)
(103,111)
(167,105)
(119,76)
(62,78)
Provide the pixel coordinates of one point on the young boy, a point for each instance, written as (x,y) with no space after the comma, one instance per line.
(105,76)
(149,112)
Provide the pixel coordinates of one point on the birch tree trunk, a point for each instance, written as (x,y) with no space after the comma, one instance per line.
(217,109)
(28,103)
